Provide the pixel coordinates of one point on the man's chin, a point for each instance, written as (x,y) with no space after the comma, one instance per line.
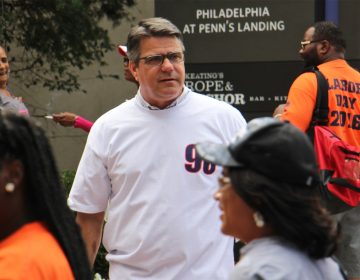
(172,90)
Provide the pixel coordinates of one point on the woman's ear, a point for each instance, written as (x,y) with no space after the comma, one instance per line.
(15,170)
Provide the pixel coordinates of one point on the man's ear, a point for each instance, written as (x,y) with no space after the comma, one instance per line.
(324,47)
(133,69)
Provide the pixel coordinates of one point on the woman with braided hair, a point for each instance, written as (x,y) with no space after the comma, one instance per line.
(39,238)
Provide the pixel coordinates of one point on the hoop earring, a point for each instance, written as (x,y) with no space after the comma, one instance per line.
(258,219)
(10,187)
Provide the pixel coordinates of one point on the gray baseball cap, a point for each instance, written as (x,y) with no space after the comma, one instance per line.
(275,149)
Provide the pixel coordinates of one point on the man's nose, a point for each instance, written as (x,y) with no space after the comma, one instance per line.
(167,65)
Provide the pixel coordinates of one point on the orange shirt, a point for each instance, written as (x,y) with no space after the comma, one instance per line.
(344,106)
(33,253)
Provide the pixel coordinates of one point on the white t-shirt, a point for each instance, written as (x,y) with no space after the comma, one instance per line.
(273,259)
(162,220)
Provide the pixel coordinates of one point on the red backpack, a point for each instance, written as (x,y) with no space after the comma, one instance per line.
(339,165)
(339,162)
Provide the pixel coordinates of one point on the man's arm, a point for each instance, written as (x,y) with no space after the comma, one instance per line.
(91,229)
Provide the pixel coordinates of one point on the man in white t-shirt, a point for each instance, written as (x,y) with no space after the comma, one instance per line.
(140,164)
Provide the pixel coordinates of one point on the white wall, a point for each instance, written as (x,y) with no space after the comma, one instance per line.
(101,96)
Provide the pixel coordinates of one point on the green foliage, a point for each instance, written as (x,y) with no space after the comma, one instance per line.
(67,178)
(58,37)
(101,266)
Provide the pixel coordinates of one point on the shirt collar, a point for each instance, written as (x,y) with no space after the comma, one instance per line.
(176,102)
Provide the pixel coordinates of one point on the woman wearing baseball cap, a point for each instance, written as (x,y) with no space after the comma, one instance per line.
(268,199)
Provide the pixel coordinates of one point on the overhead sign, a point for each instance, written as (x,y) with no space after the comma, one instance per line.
(238,31)
(245,52)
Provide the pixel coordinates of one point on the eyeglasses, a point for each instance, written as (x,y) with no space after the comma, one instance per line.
(305,43)
(158,59)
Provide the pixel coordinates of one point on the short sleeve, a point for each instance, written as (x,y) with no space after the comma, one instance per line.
(301,101)
(91,188)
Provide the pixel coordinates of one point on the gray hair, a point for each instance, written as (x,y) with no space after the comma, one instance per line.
(151,27)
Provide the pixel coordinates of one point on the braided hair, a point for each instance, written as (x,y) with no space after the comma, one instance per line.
(295,213)
(23,140)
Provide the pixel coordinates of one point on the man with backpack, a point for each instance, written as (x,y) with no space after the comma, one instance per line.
(324,47)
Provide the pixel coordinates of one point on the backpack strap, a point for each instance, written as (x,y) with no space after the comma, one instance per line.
(321,109)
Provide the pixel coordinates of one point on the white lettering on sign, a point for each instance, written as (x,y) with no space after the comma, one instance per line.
(214,85)
(232,13)
(234,20)
(261,26)
(231,98)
